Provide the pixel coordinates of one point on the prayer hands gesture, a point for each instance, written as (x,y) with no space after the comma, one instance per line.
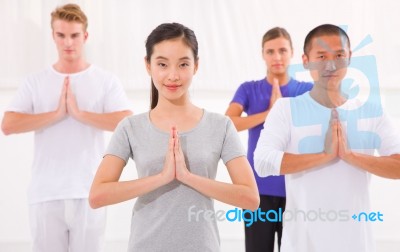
(336,139)
(275,93)
(174,166)
(67,103)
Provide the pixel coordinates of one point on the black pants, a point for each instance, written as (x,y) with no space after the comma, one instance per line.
(260,236)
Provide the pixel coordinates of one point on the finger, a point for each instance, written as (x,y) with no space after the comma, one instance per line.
(171,140)
(176,140)
(334,114)
(275,82)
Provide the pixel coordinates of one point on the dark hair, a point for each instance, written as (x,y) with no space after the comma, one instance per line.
(325,29)
(274,33)
(163,32)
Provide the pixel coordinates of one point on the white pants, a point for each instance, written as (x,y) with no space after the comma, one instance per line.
(67,226)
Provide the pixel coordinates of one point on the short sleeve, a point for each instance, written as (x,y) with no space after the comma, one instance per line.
(389,136)
(115,98)
(273,140)
(232,146)
(241,97)
(120,143)
(23,100)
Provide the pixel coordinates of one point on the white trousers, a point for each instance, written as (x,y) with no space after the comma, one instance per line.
(67,226)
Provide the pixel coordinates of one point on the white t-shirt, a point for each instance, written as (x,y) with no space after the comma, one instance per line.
(67,154)
(321,202)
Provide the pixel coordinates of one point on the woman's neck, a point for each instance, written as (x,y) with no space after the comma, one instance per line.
(283,79)
(184,116)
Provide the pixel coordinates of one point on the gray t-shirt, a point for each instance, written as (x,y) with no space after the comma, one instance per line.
(160,219)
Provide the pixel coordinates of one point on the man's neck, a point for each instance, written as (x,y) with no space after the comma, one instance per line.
(328,98)
(69,67)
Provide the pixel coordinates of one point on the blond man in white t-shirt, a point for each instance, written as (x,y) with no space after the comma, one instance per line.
(68,106)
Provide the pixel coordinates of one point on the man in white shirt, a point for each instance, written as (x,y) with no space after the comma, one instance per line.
(68,106)
(324,142)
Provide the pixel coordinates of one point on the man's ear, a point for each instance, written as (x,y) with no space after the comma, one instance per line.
(85,35)
(348,63)
(305,61)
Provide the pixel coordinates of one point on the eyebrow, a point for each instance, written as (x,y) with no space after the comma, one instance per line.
(60,33)
(164,58)
(337,51)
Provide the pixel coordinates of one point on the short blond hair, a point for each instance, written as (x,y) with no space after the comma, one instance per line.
(70,13)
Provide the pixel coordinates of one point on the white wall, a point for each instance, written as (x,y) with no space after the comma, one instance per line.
(229,34)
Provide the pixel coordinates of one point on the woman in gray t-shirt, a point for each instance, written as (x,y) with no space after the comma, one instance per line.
(176,184)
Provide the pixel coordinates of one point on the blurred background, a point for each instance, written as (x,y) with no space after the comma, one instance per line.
(229,33)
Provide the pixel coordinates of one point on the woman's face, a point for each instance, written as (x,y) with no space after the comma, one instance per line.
(277,54)
(172,67)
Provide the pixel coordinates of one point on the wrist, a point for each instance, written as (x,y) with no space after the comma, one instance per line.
(163,178)
(349,157)
(327,157)
(185,177)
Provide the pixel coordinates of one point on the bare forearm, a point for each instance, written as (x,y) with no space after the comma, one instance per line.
(248,122)
(14,122)
(106,121)
(387,166)
(292,163)
(237,195)
(109,193)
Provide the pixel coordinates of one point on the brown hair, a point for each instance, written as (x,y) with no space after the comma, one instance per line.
(70,13)
(274,33)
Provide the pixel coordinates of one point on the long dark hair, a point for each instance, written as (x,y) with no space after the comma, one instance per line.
(163,32)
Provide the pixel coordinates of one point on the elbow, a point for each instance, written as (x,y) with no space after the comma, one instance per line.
(121,116)
(254,202)
(251,201)
(269,164)
(95,200)
(6,129)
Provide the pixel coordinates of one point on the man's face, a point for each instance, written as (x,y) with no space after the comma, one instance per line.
(327,60)
(69,38)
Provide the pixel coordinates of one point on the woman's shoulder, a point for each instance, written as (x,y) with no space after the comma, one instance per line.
(214,119)
(134,119)
(254,83)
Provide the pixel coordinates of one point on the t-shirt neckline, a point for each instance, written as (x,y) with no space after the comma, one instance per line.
(198,125)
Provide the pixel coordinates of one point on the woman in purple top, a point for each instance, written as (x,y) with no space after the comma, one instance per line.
(256,98)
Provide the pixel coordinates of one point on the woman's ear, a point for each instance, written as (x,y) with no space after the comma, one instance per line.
(196,65)
(147,64)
